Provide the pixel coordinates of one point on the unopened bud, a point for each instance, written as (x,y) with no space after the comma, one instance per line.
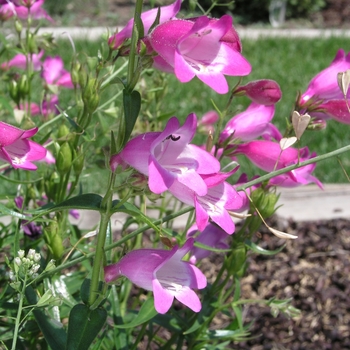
(264,201)
(91,96)
(18,26)
(64,159)
(54,240)
(18,261)
(32,47)
(74,72)
(23,86)
(78,161)
(14,91)
(62,134)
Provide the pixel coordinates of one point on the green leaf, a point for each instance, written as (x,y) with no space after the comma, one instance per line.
(146,313)
(53,331)
(84,326)
(135,212)
(87,201)
(7,211)
(132,106)
(4,102)
(256,249)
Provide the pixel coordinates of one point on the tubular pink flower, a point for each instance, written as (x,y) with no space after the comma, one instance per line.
(7,11)
(251,124)
(265,92)
(220,198)
(147,18)
(55,74)
(167,156)
(196,48)
(335,109)
(35,11)
(164,273)
(297,177)
(267,155)
(324,85)
(20,61)
(212,236)
(17,150)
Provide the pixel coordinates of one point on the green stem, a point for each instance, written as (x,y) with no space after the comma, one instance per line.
(101,239)
(133,46)
(292,167)
(113,245)
(19,314)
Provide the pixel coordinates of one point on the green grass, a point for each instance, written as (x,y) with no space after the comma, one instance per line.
(291,62)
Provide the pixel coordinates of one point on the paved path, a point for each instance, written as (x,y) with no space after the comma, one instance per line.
(306,203)
(251,33)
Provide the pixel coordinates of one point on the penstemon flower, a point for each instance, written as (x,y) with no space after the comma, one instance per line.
(147,18)
(164,273)
(203,47)
(252,123)
(324,86)
(167,156)
(212,236)
(55,74)
(220,198)
(17,150)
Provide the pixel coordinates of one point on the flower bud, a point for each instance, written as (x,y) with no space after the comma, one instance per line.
(78,161)
(62,134)
(91,96)
(265,92)
(264,201)
(18,261)
(32,46)
(54,240)
(23,86)
(74,72)
(64,159)
(18,26)
(30,254)
(238,259)
(21,253)
(14,91)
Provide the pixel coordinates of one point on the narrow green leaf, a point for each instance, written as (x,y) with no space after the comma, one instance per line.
(84,326)
(135,212)
(256,249)
(53,331)
(132,106)
(146,313)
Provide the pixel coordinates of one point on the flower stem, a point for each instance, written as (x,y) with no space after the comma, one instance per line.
(101,239)
(19,314)
(292,167)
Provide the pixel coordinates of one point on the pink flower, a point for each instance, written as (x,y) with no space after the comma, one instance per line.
(147,18)
(220,198)
(197,48)
(324,86)
(164,273)
(20,61)
(167,157)
(17,150)
(33,10)
(251,124)
(297,177)
(212,236)
(55,74)
(265,92)
(267,156)
(7,11)
(47,107)
(335,109)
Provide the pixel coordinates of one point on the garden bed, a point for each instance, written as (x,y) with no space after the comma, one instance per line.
(314,270)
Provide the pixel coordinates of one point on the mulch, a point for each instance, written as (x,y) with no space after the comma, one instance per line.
(314,270)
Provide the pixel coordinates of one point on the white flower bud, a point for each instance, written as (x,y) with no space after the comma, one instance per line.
(20,253)
(30,254)
(18,261)
(37,257)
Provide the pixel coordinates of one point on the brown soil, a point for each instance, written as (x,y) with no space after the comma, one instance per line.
(315,271)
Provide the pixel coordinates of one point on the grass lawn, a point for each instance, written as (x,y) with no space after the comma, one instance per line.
(291,62)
